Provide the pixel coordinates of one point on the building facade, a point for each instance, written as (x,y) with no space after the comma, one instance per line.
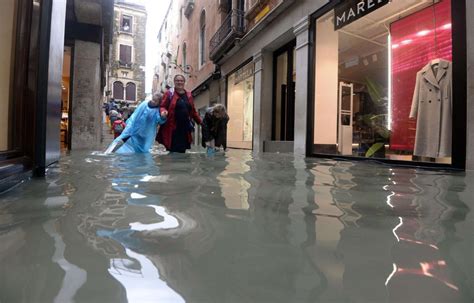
(332,78)
(55,54)
(126,79)
(348,79)
(184,40)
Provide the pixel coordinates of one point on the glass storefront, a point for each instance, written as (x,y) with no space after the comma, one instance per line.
(65,99)
(383,81)
(284,93)
(240,107)
(7,58)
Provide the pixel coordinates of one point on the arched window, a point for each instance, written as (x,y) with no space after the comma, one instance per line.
(185,61)
(118,90)
(202,38)
(131,92)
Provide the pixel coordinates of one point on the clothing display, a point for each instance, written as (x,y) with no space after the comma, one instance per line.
(432,107)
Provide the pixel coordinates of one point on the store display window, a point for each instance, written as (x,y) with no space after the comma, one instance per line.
(383,81)
(240,107)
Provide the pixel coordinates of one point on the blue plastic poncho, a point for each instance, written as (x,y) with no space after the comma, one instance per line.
(139,134)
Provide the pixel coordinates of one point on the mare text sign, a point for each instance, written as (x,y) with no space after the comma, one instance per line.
(351,10)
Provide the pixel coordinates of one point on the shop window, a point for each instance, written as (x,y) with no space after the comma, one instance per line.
(118,90)
(202,39)
(126,24)
(383,83)
(131,92)
(125,55)
(7,58)
(240,93)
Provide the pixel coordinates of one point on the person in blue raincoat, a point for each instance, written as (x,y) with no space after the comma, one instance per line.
(139,134)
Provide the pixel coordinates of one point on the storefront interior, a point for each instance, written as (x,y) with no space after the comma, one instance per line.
(240,107)
(383,83)
(284,66)
(65,100)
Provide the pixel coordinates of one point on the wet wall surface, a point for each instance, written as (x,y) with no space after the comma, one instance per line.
(233,228)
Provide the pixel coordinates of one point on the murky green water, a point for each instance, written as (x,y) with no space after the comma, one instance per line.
(187,228)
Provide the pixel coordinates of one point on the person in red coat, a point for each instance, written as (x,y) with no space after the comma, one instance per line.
(176,133)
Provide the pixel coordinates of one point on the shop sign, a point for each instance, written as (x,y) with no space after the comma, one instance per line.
(352,10)
(262,13)
(243,73)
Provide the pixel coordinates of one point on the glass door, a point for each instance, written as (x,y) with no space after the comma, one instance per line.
(284,94)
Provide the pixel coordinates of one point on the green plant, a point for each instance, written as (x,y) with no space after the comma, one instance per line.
(376,121)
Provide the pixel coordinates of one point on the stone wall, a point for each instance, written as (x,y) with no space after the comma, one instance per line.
(87,97)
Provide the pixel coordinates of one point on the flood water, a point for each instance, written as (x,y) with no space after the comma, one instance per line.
(237,228)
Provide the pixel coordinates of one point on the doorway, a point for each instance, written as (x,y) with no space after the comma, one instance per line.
(284,79)
(65,133)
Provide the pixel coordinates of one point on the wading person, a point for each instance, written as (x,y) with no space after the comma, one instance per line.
(139,134)
(176,134)
(214,128)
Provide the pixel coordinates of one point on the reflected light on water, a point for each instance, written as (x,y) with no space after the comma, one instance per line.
(143,284)
(169,222)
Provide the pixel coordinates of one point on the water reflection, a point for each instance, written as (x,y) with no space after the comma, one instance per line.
(237,228)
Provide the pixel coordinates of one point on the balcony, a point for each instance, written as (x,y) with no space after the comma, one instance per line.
(232,28)
(123,64)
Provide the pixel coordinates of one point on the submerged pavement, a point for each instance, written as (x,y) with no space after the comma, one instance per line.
(233,228)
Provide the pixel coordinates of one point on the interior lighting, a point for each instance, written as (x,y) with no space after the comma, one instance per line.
(395,46)
(407,41)
(447,26)
(389,111)
(423,33)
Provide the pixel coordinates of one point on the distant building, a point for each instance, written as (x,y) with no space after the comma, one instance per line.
(184,39)
(126,80)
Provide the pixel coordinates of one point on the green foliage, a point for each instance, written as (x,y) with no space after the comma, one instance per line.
(373,149)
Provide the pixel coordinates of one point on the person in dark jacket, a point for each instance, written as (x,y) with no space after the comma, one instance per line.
(214,128)
(176,133)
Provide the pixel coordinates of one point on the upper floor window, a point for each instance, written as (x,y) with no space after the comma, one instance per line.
(131,92)
(117,91)
(125,56)
(202,38)
(185,61)
(126,24)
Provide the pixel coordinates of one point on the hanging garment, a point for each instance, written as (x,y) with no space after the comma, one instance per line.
(139,134)
(432,106)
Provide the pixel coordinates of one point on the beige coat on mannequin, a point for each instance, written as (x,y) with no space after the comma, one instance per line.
(432,106)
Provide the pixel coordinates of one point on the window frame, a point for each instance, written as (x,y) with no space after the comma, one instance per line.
(202,39)
(125,16)
(134,92)
(113,90)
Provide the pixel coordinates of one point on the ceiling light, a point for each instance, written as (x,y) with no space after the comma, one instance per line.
(423,33)
(407,41)
(447,26)
(395,46)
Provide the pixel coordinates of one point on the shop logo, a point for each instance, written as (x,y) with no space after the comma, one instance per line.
(351,10)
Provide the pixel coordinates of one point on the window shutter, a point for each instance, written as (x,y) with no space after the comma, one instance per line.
(131,92)
(125,53)
(118,90)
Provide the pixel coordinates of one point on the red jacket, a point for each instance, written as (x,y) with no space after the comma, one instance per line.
(165,134)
